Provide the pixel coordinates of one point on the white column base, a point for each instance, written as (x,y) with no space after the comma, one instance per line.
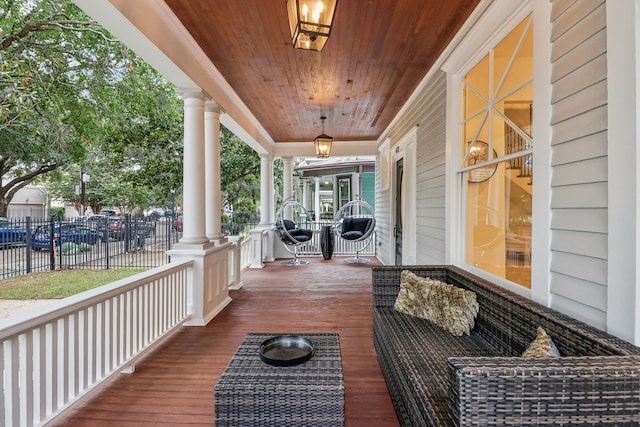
(256,248)
(235,261)
(218,239)
(268,239)
(207,279)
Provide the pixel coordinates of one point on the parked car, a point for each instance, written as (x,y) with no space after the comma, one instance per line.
(116,228)
(120,228)
(97,222)
(177,223)
(110,227)
(11,234)
(75,233)
(109,212)
(154,215)
(147,228)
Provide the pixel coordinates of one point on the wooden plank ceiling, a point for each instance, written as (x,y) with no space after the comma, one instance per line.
(377,54)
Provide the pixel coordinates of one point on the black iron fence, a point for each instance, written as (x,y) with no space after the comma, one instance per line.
(238,228)
(92,243)
(35,245)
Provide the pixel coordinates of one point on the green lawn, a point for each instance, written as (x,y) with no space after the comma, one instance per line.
(59,284)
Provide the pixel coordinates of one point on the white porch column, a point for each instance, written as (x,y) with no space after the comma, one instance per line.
(266,191)
(305,193)
(263,237)
(317,198)
(287,179)
(212,172)
(209,276)
(193,173)
(355,185)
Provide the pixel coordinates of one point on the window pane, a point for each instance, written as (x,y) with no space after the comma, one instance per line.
(474,104)
(497,122)
(473,130)
(498,223)
(513,60)
(478,78)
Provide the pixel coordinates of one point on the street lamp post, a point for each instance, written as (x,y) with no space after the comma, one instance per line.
(84,178)
(173,214)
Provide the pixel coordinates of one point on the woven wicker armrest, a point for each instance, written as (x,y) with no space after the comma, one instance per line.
(515,391)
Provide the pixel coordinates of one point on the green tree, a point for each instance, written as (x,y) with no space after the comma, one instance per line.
(74,99)
(142,140)
(240,176)
(135,159)
(55,65)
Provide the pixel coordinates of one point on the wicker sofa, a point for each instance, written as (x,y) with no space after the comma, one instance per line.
(437,379)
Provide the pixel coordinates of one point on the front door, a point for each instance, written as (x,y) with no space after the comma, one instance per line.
(397,228)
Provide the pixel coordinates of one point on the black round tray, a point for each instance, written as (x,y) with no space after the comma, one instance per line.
(286,350)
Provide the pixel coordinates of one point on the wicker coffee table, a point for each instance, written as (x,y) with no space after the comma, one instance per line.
(251,392)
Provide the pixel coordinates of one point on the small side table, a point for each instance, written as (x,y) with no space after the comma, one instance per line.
(251,392)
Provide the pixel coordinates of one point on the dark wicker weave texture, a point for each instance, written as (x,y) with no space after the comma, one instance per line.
(253,393)
(437,379)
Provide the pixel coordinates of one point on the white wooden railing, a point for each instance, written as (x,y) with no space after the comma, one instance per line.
(341,246)
(245,253)
(55,354)
(239,259)
(250,246)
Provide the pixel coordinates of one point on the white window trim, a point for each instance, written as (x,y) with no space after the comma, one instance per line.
(386,182)
(406,149)
(541,202)
(497,20)
(623,64)
(384,165)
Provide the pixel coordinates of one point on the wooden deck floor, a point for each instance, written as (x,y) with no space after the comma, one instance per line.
(174,385)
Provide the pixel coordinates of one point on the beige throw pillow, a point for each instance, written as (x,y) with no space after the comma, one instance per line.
(447,306)
(542,346)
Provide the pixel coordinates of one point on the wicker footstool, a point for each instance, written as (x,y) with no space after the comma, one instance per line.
(253,393)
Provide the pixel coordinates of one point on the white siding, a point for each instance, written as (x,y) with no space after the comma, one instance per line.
(428,112)
(579,195)
(578,141)
(383,214)
(430,173)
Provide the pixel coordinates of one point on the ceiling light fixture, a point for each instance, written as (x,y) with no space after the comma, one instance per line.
(323,143)
(310,22)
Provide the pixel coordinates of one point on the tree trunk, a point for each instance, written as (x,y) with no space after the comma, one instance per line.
(4,206)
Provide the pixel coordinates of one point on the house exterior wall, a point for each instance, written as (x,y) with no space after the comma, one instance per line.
(427,116)
(572,269)
(430,175)
(579,194)
(29,201)
(369,188)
